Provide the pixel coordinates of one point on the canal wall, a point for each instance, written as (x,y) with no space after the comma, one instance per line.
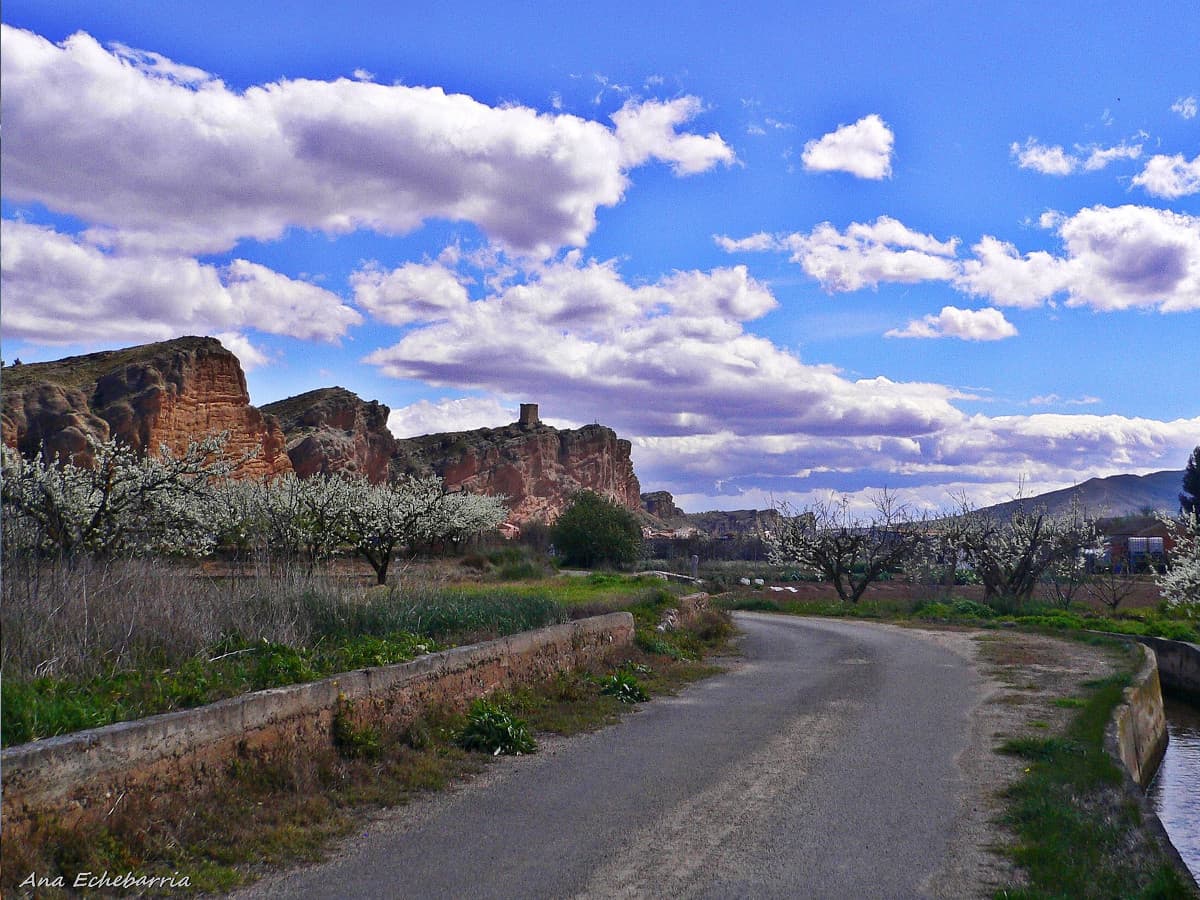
(1137,733)
(1178,666)
(84,776)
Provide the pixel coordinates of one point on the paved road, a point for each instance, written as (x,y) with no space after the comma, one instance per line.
(821,765)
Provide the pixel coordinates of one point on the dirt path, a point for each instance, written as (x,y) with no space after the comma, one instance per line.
(1021,677)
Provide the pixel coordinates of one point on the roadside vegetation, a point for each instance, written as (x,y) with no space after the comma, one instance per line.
(291,807)
(1078,834)
(102,641)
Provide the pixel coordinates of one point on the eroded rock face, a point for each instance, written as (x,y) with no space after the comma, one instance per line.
(333,430)
(52,420)
(661,505)
(170,393)
(183,390)
(538,468)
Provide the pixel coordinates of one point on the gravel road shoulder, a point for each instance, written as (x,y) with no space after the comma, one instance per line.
(1021,676)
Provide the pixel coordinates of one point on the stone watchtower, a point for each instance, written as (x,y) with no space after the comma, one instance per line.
(529,415)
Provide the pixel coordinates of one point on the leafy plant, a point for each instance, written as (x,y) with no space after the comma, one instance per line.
(653,643)
(492,729)
(972,609)
(624,687)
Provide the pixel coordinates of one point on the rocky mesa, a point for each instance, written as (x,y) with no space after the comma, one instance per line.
(168,393)
(177,391)
(537,467)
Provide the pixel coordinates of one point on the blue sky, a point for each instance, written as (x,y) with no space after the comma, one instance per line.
(783,249)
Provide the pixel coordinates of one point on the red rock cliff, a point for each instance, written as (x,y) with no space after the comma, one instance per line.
(537,467)
(168,393)
(333,430)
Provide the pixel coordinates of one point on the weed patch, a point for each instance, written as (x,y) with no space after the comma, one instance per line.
(625,687)
(48,706)
(494,730)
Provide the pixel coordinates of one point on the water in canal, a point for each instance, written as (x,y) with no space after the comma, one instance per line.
(1175,791)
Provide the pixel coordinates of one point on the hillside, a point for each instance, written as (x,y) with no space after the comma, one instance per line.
(333,430)
(1116,495)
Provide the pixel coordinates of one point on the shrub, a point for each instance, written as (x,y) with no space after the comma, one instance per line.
(934,611)
(653,643)
(593,530)
(973,609)
(520,571)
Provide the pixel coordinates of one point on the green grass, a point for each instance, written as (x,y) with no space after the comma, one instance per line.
(1140,622)
(44,707)
(1078,835)
(597,588)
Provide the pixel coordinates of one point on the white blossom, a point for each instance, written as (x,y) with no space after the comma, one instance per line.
(1180,582)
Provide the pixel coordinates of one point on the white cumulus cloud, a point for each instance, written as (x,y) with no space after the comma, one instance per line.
(58,289)
(1170,177)
(863,255)
(863,149)
(1049,160)
(1099,157)
(1112,258)
(647,130)
(463,414)
(412,292)
(1056,160)
(965,324)
(158,155)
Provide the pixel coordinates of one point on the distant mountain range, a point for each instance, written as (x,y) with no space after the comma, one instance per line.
(1117,495)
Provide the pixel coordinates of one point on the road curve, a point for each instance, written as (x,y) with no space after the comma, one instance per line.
(820,765)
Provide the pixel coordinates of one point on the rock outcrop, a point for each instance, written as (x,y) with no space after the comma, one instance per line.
(661,505)
(715,524)
(169,393)
(333,430)
(537,467)
(182,390)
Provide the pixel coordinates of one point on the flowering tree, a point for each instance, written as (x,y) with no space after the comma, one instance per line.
(287,516)
(1180,582)
(461,515)
(1012,553)
(124,503)
(378,519)
(189,504)
(851,552)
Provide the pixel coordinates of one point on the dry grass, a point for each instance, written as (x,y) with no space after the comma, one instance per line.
(91,617)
